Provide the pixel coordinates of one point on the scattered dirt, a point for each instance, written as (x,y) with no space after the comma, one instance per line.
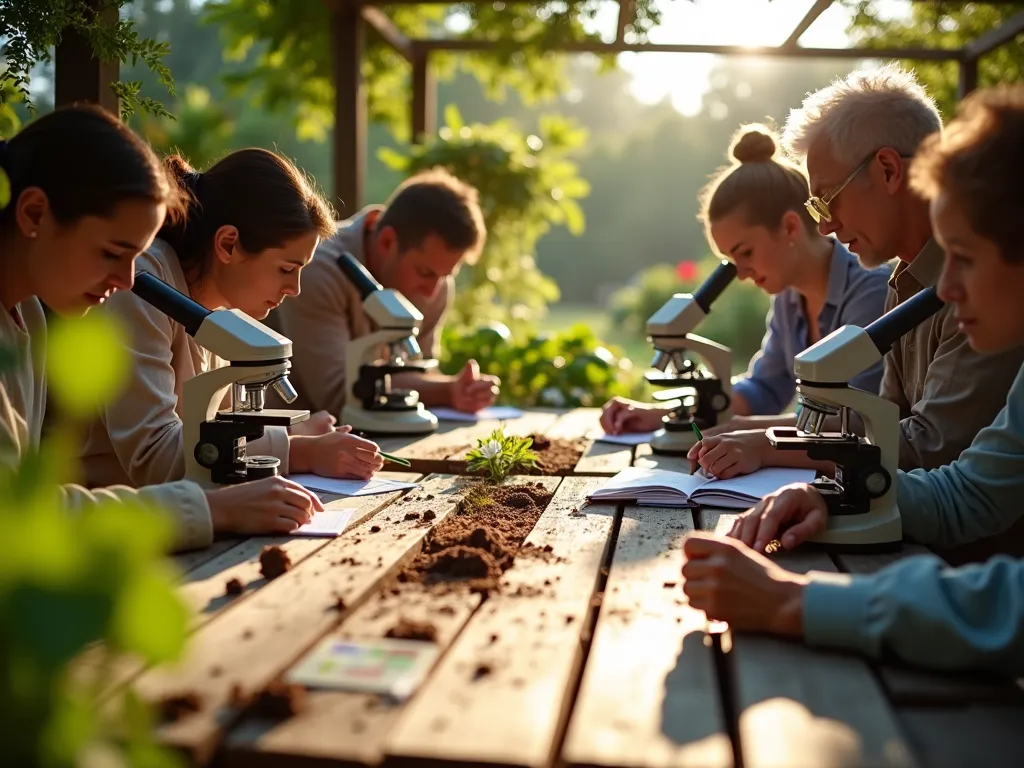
(280,700)
(234,587)
(482,670)
(555,456)
(408,629)
(173,708)
(274,562)
(429,515)
(474,545)
(339,603)
(374,529)
(669,584)
(412,516)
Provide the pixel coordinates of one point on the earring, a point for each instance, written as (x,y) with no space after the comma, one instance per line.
(32,234)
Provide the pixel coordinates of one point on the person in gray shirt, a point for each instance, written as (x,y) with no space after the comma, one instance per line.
(918,609)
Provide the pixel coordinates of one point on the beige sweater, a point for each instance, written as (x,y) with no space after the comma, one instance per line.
(328,313)
(22,403)
(138,438)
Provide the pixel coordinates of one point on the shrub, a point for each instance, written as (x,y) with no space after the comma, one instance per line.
(563,370)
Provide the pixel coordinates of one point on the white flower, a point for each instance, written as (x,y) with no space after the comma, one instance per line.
(490,449)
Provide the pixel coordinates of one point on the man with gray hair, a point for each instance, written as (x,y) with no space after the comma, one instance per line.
(857,137)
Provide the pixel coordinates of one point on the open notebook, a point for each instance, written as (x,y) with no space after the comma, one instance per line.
(663,488)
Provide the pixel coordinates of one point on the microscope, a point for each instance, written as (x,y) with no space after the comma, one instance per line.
(215,441)
(862,503)
(372,406)
(668,330)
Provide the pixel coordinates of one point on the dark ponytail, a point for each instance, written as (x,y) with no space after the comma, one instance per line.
(258,192)
(87,162)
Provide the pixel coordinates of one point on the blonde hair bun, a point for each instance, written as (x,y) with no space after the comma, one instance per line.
(753,144)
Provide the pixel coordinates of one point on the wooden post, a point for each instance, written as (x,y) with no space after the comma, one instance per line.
(424,97)
(968,79)
(347,33)
(79,76)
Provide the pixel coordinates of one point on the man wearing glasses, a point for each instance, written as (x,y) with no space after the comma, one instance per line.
(857,137)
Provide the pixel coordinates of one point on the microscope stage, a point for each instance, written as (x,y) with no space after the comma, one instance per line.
(277,417)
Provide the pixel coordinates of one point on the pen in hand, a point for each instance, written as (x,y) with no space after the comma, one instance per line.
(395,459)
(700,438)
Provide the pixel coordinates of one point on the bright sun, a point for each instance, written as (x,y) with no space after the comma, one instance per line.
(683,77)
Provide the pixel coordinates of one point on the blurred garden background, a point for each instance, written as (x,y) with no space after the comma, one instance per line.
(589,166)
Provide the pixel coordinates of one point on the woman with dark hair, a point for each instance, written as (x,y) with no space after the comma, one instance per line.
(251,225)
(87,196)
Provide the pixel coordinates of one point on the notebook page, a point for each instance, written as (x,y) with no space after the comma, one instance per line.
(634,480)
(757,484)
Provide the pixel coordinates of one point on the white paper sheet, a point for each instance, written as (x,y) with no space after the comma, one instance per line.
(327,524)
(499,412)
(627,438)
(351,487)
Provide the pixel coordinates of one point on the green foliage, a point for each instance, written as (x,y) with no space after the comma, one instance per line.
(500,456)
(527,184)
(293,71)
(942,25)
(737,318)
(30,29)
(201,129)
(567,369)
(93,581)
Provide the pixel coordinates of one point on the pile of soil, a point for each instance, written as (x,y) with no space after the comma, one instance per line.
(408,629)
(175,707)
(475,545)
(555,456)
(274,562)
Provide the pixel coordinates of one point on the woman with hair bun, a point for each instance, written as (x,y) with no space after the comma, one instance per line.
(754,215)
(252,224)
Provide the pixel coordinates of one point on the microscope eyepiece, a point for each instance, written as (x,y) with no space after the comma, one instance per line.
(358,275)
(717,282)
(899,321)
(172,302)
(284,388)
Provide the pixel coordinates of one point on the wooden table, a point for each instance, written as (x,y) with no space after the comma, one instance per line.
(608,667)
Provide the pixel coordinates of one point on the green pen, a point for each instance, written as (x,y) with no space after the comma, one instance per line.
(395,459)
(696,430)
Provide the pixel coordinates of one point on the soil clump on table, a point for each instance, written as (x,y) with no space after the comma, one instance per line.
(473,546)
(555,455)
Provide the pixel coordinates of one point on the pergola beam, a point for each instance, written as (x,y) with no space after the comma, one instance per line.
(930,54)
(627,15)
(386,28)
(1004,33)
(347,33)
(78,75)
(424,96)
(819,7)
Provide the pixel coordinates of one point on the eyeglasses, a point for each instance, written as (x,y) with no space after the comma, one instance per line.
(818,206)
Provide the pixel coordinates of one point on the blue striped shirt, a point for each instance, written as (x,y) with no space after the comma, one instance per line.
(855,296)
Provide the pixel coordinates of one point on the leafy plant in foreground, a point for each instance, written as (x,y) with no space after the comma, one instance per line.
(500,456)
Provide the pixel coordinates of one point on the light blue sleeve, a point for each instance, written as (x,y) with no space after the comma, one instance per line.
(924,612)
(864,305)
(980,494)
(769,384)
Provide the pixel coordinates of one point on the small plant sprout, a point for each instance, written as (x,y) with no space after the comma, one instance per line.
(501,455)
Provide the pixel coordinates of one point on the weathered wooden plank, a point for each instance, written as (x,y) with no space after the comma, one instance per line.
(966,736)
(501,695)
(802,707)
(601,459)
(187,561)
(650,695)
(340,727)
(268,631)
(204,590)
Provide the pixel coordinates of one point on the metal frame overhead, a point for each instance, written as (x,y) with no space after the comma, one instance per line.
(82,78)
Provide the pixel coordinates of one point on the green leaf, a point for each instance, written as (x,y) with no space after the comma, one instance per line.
(150,618)
(5,189)
(392,159)
(87,362)
(453,119)
(574,219)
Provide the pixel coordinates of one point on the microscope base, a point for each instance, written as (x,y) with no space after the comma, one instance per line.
(370,422)
(674,443)
(871,529)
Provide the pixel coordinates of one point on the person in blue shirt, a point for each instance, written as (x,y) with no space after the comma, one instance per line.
(754,215)
(918,609)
